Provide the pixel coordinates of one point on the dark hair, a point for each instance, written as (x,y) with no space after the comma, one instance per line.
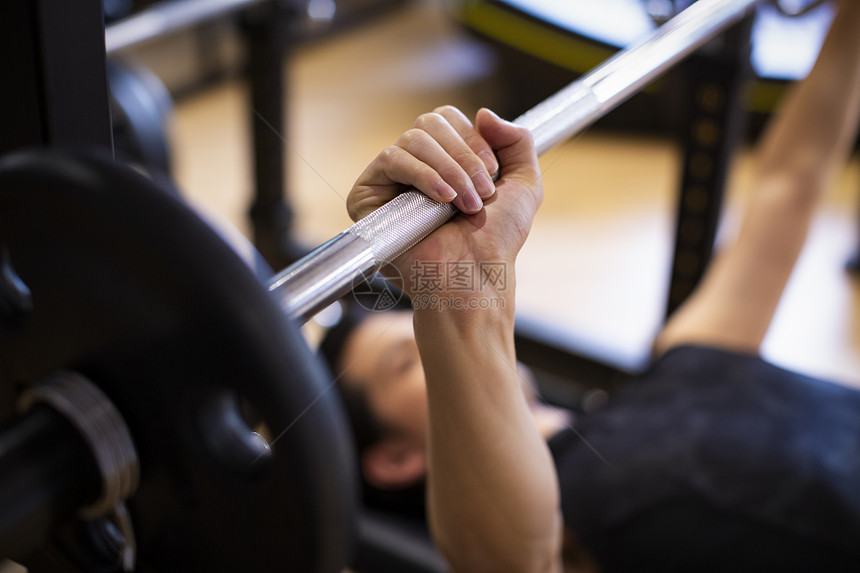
(377,294)
(366,429)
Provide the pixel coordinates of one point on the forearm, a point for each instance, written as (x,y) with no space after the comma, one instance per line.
(804,146)
(817,121)
(492,488)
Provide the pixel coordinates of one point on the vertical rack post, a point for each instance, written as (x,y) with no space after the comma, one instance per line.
(267,30)
(53,59)
(712,88)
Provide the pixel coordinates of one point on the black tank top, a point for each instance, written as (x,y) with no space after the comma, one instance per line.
(716,461)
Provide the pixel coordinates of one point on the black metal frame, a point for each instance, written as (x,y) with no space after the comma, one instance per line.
(267,33)
(853,264)
(57,94)
(55,81)
(713,119)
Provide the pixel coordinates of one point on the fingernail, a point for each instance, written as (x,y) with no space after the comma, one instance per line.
(445,191)
(494,114)
(490,160)
(483,185)
(471,202)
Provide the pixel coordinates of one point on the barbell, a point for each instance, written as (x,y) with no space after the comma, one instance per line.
(135,342)
(329,272)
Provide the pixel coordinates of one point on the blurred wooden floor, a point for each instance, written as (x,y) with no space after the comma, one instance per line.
(596,263)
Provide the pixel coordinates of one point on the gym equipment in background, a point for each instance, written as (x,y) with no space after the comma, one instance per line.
(545,42)
(268,28)
(140,114)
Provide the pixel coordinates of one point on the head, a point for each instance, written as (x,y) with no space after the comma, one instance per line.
(374,358)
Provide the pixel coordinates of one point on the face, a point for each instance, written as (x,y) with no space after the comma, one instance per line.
(382,357)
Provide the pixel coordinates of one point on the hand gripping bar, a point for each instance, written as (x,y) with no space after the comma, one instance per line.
(328,272)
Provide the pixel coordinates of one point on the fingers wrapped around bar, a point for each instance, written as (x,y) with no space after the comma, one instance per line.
(443,155)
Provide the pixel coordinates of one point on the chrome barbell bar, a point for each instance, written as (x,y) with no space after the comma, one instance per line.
(328,272)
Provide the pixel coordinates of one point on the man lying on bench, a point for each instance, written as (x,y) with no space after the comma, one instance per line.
(713,460)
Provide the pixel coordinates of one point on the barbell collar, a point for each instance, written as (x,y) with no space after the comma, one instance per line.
(103,429)
(46,473)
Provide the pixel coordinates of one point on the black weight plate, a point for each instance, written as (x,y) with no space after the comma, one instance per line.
(140,111)
(132,289)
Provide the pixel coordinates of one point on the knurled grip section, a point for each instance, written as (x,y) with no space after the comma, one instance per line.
(398,225)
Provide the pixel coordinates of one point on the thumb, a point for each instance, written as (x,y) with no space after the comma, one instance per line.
(513,144)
